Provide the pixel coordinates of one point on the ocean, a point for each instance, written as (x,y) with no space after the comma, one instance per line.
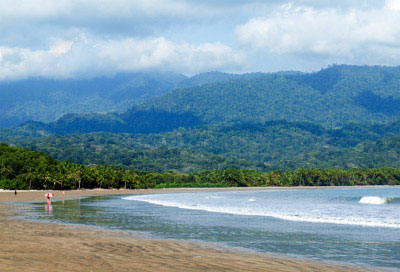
(359,226)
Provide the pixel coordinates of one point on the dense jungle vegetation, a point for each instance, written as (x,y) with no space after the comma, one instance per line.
(25,169)
(264,147)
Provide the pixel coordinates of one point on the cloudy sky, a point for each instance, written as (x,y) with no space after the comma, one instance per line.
(86,38)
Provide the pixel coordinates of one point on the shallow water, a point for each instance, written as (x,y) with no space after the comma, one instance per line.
(358,226)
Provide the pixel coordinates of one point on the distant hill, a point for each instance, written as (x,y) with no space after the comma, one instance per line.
(131,121)
(46,100)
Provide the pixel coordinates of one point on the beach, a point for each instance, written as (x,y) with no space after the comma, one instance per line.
(36,246)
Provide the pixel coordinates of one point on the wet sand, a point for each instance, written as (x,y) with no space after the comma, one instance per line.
(27,246)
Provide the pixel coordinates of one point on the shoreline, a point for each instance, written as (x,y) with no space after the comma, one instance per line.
(38,195)
(25,245)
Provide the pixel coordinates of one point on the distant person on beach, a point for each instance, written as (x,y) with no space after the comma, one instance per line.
(15,192)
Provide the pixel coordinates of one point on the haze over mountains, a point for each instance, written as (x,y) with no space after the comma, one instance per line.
(46,100)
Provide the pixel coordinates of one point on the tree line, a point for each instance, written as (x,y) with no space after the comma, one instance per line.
(21,168)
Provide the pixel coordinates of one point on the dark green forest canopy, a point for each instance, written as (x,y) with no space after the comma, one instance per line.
(269,146)
(24,169)
(330,97)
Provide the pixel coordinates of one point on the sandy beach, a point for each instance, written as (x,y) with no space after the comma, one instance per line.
(28,246)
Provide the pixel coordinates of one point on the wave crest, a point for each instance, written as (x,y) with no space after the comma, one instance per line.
(374,200)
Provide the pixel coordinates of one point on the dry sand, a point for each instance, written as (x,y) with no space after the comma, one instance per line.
(27,246)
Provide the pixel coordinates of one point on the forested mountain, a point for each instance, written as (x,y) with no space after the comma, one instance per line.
(331,97)
(342,116)
(47,100)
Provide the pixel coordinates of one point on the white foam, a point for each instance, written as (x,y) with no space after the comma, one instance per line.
(212,197)
(252,199)
(283,216)
(373,200)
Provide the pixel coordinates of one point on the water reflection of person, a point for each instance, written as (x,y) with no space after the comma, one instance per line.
(49,209)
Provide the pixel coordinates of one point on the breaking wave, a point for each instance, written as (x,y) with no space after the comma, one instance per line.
(376,200)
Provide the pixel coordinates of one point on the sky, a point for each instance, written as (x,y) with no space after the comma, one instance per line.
(88,38)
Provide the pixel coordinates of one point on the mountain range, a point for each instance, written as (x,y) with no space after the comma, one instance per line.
(331,97)
(342,116)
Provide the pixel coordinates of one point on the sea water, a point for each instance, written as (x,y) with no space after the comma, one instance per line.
(359,226)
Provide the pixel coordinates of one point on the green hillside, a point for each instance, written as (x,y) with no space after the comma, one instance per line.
(330,97)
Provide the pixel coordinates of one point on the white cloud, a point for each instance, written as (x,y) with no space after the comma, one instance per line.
(351,36)
(133,54)
(60,47)
(83,56)
(392,4)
